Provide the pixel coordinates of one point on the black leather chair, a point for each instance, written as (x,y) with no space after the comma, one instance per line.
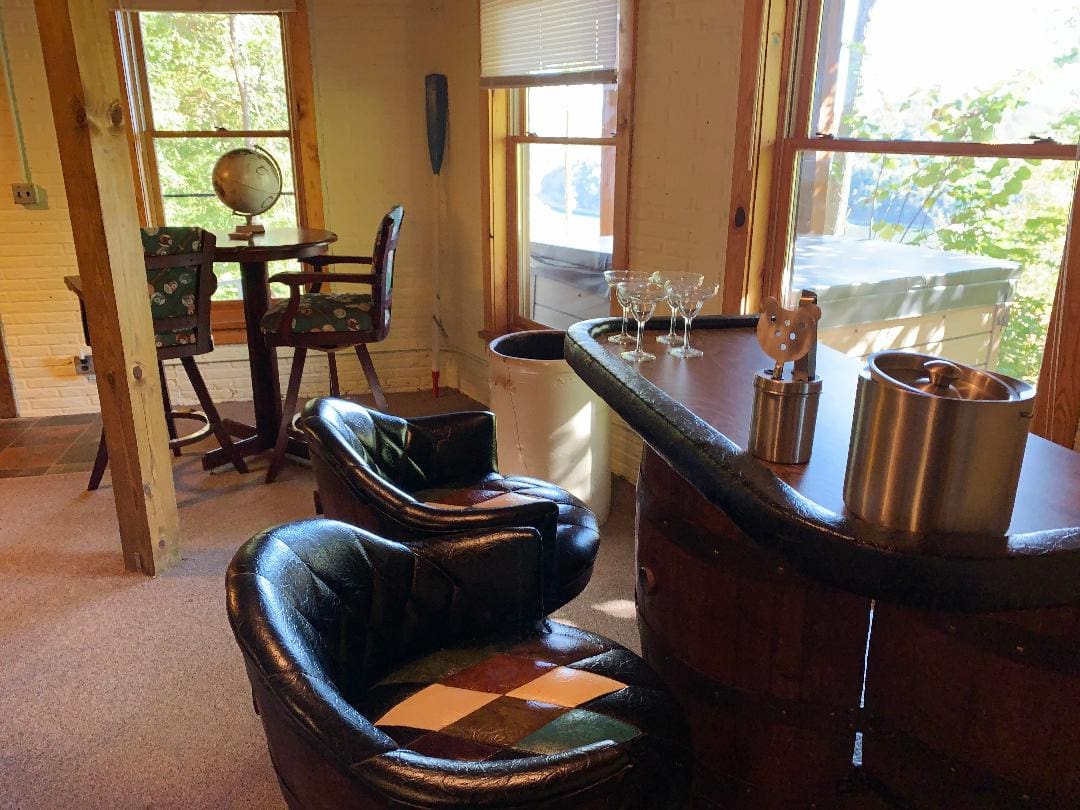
(389,676)
(408,479)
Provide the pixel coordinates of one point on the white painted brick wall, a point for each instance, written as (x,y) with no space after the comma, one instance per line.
(684,136)
(40,316)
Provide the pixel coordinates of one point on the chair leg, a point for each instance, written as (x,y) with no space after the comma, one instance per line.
(207,404)
(287,410)
(331,358)
(101,461)
(372,377)
(170,423)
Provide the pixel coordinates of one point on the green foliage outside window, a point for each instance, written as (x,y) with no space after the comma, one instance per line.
(1016,210)
(210,72)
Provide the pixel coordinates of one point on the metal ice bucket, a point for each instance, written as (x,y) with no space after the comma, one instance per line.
(936,446)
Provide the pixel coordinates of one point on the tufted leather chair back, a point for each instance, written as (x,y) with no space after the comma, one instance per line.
(338,606)
(408,454)
(383,445)
(382,261)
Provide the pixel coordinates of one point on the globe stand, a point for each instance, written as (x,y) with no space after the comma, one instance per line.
(248,230)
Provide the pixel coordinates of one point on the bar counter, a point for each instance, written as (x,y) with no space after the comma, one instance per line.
(787,626)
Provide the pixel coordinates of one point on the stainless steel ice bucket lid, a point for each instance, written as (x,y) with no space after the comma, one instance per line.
(936,446)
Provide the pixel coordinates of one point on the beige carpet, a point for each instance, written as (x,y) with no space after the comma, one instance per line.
(123,691)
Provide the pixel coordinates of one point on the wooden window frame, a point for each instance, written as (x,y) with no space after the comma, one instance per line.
(503,127)
(227,317)
(777,70)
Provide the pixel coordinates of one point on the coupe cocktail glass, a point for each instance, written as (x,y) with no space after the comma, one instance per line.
(681,279)
(613,279)
(690,299)
(643,296)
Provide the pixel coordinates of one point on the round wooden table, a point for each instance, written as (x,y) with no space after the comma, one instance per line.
(253,254)
(786,626)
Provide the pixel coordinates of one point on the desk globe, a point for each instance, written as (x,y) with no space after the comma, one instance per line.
(248,181)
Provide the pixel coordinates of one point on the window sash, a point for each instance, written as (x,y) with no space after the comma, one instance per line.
(534,42)
(209,6)
(227,317)
(786,75)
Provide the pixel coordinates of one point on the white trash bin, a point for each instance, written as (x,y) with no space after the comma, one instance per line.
(549,424)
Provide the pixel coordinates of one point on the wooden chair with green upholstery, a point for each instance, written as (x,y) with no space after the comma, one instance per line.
(332,321)
(180,281)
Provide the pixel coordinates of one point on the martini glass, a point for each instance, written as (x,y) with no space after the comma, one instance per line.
(680,279)
(643,296)
(690,299)
(613,279)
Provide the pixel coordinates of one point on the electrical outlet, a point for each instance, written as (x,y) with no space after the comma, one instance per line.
(84,364)
(25,193)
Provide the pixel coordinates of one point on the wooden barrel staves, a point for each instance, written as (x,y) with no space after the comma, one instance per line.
(975,711)
(768,664)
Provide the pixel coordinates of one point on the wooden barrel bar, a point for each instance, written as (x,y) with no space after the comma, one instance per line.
(768,664)
(757,592)
(975,711)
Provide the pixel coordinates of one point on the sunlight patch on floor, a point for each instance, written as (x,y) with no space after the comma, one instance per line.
(617,608)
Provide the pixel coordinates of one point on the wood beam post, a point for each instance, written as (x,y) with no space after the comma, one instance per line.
(89,111)
(1057,404)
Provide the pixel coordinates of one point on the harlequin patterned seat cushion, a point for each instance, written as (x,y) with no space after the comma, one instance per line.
(323,312)
(552,693)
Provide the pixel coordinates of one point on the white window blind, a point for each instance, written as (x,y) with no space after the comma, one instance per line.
(208,6)
(533,42)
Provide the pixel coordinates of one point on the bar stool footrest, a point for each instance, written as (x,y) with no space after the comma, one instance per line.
(196,435)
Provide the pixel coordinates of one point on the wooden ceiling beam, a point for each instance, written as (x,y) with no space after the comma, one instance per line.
(89,113)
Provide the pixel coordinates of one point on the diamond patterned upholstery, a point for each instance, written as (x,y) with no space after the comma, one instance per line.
(507,701)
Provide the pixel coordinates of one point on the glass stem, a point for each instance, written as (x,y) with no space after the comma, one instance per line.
(625,312)
(637,346)
(671,326)
(686,334)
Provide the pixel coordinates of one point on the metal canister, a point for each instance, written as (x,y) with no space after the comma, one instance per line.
(784,417)
(936,446)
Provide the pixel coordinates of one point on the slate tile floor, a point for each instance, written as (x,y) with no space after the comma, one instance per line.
(58,444)
(48,444)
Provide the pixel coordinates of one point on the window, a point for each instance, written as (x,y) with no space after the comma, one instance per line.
(564,192)
(926,174)
(557,162)
(200,84)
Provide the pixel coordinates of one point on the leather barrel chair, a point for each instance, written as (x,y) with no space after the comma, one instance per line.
(390,676)
(409,479)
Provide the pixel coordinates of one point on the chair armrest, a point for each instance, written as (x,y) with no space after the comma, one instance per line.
(367,486)
(294,280)
(320,261)
(568,779)
(315,709)
(533,512)
(463,445)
